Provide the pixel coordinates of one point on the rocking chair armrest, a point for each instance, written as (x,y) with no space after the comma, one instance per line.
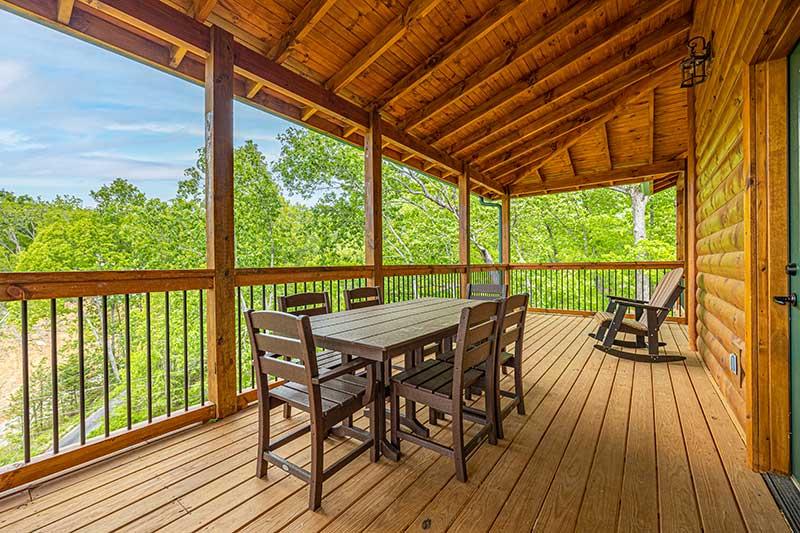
(347,368)
(645,306)
(622,299)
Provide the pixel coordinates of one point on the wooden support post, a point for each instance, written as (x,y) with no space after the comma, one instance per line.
(463,228)
(373,199)
(690,221)
(505,218)
(680,217)
(219,223)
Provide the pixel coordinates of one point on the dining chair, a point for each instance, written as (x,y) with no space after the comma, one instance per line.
(441,385)
(328,396)
(362,297)
(510,338)
(311,304)
(487,291)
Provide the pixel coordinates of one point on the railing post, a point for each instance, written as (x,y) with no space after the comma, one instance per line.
(690,223)
(221,310)
(373,200)
(463,228)
(505,217)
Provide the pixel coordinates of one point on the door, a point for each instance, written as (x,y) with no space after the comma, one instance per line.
(794,252)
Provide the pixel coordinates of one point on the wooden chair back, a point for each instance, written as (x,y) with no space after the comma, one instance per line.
(665,295)
(511,329)
(475,342)
(488,291)
(306,303)
(275,335)
(362,297)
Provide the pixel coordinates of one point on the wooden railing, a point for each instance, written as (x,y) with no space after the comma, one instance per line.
(111,359)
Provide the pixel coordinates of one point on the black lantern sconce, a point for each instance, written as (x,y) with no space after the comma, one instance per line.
(694,69)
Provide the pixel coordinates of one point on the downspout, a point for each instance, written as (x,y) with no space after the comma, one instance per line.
(499,225)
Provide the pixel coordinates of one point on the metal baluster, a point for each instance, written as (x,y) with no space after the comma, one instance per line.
(202,350)
(185,354)
(250,365)
(26,391)
(81,373)
(239,336)
(54,372)
(149,352)
(106,402)
(129,421)
(167,362)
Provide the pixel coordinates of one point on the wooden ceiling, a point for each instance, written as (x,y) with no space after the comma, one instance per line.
(532,96)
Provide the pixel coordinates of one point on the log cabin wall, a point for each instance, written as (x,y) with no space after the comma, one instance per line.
(720,196)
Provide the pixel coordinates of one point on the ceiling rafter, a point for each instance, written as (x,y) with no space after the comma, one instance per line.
(570,163)
(202,9)
(606,146)
(532,83)
(390,34)
(176,55)
(582,180)
(486,23)
(303,23)
(572,115)
(651,125)
(605,112)
(64,11)
(500,63)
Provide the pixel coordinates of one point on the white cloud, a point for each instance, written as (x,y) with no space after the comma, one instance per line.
(154,127)
(11,72)
(14,141)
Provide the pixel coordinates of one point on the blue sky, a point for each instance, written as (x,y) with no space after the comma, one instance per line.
(74,120)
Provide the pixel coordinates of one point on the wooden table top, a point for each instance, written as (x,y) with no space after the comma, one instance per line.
(384,331)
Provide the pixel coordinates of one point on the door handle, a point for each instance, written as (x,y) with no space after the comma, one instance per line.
(786,300)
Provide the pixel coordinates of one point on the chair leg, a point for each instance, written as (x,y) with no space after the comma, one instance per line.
(518,389)
(433,418)
(287,411)
(459,460)
(394,407)
(315,484)
(262,465)
(652,343)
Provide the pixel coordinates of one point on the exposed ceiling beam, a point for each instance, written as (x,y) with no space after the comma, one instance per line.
(389,35)
(531,83)
(570,163)
(606,146)
(490,20)
(572,85)
(637,172)
(64,12)
(651,125)
(202,9)
(577,112)
(176,55)
(303,23)
(605,112)
(253,88)
(504,61)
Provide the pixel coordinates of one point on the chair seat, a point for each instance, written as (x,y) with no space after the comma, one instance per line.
(506,359)
(604,318)
(436,377)
(341,392)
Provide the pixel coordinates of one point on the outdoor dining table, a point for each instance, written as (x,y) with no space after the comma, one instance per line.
(382,332)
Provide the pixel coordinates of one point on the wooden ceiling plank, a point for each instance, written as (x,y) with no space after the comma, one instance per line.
(573,84)
(578,110)
(202,9)
(64,11)
(636,172)
(390,34)
(485,24)
(605,112)
(500,63)
(303,23)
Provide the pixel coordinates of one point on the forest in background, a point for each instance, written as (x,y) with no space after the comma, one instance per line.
(304,209)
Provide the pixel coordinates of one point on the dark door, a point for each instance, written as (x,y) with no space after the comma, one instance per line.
(794,250)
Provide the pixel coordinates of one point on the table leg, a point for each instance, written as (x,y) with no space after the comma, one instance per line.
(378,417)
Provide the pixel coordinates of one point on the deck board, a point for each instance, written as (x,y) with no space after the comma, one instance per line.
(606,444)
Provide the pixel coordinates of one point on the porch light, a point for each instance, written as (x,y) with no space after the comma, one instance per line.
(694,69)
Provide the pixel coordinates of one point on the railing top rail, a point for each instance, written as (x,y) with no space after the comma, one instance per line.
(269,276)
(611,265)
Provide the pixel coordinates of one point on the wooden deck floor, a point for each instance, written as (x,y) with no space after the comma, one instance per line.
(607,444)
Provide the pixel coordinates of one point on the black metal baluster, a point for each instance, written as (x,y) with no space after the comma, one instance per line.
(252,370)
(167,362)
(185,354)
(106,399)
(128,403)
(149,353)
(26,390)
(81,373)
(54,372)
(239,336)
(202,350)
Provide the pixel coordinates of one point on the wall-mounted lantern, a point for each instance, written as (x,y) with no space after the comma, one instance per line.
(694,69)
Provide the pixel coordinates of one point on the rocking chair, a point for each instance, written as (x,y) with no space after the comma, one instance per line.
(648,317)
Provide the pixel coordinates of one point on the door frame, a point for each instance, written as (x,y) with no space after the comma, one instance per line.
(766,165)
